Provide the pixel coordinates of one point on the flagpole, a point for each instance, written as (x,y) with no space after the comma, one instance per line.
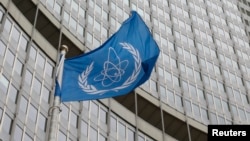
(55,109)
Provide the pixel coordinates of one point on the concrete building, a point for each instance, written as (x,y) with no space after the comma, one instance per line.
(202,75)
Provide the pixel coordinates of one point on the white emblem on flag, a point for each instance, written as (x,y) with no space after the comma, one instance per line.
(113,69)
(111,72)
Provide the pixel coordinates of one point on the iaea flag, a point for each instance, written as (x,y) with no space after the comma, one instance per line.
(117,67)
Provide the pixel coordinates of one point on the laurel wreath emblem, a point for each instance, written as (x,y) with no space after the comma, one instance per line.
(90,89)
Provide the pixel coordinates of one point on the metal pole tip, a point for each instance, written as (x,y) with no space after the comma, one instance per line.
(64,47)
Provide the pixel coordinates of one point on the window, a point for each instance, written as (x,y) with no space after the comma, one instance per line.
(40,61)
(18,133)
(73,119)
(188,106)
(7,26)
(90,20)
(24,103)
(72,23)
(24,43)
(239,81)
(1,114)
(185,85)
(65,112)
(7,123)
(113,123)
(173,62)
(122,130)
(187,54)
(242,114)
(140,138)
(57,8)
(170,96)
(166,58)
(15,35)
(234,110)
(97,26)
(9,57)
(74,6)
(81,13)
(176,80)
(184,39)
(66,17)
(244,99)
(190,71)
(18,67)
(42,122)
(28,77)
(131,135)
(232,77)
(33,53)
(37,86)
(94,109)
(101,138)
(162,91)
(197,75)
(210,99)
(4,83)
(96,43)
(225,106)
(221,120)
(203,63)
(192,91)
(49,69)
(12,93)
(248,115)
(237,95)
(200,94)
(32,113)
(213,83)
(153,85)
(93,134)
(80,30)
(196,110)
(213,118)
(2,48)
(27,137)
(50,3)
(61,136)
(204,114)
(86,104)
(68,2)
(218,103)
(160,72)
(89,37)
(177,35)
(178,101)
(206,79)
(45,94)
(84,128)
(103,115)
(225,74)
(104,31)
(1,15)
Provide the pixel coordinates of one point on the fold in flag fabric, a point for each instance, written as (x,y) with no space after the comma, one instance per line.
(117,67)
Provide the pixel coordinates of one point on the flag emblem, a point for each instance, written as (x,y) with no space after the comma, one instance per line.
(113,70)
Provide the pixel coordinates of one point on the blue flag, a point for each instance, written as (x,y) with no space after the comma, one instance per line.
(117,67)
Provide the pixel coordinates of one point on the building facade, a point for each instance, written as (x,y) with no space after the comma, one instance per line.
(202,75)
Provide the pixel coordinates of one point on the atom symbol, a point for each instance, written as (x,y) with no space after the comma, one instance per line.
(112,71)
